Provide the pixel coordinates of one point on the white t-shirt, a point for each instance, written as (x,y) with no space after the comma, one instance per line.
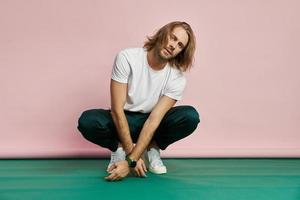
(145,85)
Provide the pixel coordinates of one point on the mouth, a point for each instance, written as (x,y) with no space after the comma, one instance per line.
(169,52)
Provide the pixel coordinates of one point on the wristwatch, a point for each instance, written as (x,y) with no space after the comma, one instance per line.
(131,163)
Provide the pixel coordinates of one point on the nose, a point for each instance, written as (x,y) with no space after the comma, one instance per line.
(172,47)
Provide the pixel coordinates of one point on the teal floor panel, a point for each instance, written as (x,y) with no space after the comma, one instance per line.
(204,178)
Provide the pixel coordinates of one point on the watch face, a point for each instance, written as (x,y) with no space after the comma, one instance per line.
(133,164)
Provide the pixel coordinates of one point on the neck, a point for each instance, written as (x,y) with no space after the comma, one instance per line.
(155,61)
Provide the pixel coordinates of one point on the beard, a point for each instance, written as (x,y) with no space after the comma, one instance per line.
(161,55)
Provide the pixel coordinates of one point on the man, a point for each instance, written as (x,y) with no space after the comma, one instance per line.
(145,85)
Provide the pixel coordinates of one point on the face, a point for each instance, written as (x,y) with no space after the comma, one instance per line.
(176,42)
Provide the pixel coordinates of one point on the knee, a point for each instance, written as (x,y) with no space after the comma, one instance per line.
(191,117)
(86,121)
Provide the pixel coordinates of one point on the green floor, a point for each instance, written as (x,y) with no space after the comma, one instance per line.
(207,179)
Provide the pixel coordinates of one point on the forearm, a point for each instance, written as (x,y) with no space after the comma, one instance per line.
(145,138)
(122,127)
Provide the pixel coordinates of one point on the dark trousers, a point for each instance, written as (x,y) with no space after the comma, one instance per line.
(97,126)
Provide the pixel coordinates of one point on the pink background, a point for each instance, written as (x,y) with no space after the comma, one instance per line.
(56,58)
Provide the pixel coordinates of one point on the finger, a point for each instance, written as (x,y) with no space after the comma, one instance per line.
(111,168)
(112,171)
(144,167)
(111,177)
(142,173)
(137,172)
(108,178)
(115,178)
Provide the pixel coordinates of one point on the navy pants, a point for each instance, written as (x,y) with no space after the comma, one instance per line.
(97,126)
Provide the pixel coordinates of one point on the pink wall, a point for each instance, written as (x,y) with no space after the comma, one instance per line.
(56,57)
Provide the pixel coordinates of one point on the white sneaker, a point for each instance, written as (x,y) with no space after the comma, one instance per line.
(156,165)
(116,156)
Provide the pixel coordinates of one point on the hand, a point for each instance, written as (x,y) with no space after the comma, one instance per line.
(118,171)
(140,168)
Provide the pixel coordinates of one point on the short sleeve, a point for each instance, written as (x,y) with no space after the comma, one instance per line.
(175,87)
(121,69)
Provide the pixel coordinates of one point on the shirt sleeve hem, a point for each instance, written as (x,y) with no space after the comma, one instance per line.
(119,80)
(173,97)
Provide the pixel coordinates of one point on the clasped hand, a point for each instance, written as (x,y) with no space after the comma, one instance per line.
(120,170)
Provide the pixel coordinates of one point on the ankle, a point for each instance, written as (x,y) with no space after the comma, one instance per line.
(152,145)
(120,145)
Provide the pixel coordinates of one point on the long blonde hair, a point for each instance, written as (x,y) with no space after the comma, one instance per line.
(184,60)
